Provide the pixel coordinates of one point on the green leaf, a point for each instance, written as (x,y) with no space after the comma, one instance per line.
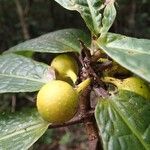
(21,74)
(124,122)
(66,40)
(131,53)
(89,10)
(21,129)
(109,16)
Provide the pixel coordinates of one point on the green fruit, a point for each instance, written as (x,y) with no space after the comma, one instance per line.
(57,101)
(133,84)
(65,66)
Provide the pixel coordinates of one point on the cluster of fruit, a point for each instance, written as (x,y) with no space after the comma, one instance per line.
(129,82)
(57,101)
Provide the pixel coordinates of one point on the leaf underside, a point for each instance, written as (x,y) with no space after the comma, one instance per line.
(61,41)
(21,74)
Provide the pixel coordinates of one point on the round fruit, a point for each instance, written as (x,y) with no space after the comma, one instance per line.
(57,101)
(65,66)
(133,84)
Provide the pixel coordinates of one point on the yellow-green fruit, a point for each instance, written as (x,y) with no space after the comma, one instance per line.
(57,101)
(65,66)
(134,84)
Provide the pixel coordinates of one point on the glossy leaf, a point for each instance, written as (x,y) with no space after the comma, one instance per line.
(131,53)
(61,41)
(109,16)
(21,129)
(89,10)
(21,74)
(124,122)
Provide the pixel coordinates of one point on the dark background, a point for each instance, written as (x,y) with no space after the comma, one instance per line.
(42,16)
(21,20)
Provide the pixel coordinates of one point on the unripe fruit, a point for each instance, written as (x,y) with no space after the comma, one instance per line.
(57,101)
(65,66)
(133,84)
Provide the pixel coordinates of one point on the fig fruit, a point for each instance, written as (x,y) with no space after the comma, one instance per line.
(65,66)
(133,84)
(57,101)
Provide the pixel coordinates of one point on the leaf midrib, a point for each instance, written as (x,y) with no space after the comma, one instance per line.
(93,17)
(20,77)
(23,130)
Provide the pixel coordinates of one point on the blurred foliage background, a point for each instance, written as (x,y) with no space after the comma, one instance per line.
(24,19)
(21,20)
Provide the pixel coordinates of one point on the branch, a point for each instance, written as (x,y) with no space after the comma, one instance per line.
(13,103)
(87,70)
(84,103)
(75,120)
(90,123)
(22,20)
(28,7)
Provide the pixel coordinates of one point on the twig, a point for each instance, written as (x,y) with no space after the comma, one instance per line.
(75,120)
(32,99)
(100,92)
(13,103)
(28,7)
(24,25)
(87,66)
(131,17)
(90,124)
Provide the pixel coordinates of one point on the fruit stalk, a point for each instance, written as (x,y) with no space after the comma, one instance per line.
(83,85)
(116,82)
(72,75)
